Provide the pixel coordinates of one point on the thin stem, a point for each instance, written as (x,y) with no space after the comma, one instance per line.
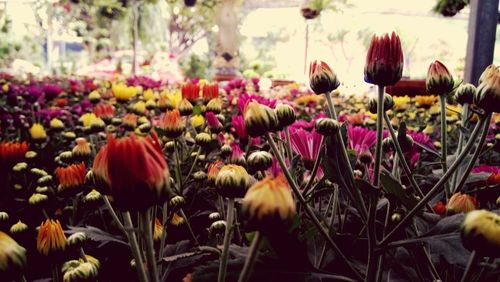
(475,156)
(288,146)
(113,213)
(395,166)
(473,258)
(380,128)
(164,216)
(444,140)
(192,166)
(181,211)
(363,211)
(437,187)
(134,247)
(315,169)
(55,272)
(335,198)
(308,210)
(178,177)
(250,260)
(227,240)
(461,139)
(148,238)
(403,161)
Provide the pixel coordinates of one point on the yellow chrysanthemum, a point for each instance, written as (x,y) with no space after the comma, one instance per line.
(123,92)
(174,96)
(87,119)
(401,103)
(197,120)
(37,132)
(307,99)
(425,101)
(148,95)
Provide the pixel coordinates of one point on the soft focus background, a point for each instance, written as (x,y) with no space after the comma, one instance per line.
(96,39)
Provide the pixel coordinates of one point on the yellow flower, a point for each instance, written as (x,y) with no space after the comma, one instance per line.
(453,111)
(12,257)
(50,237)
(123,92)
(401,103)
(18,227)
(5,87)
(176,219)
(139,107)
(429,129)
(307,99)
(158,232)
(56,123)
(197,120)
(269,197)
(94,96)
(481,232)
(38,132)
(425,101)
(174,97)
(148,95)
(87,119)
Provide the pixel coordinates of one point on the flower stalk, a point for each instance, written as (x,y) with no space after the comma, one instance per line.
(444,140)
(148,239)
(134,247)
(227,240)
(251,257)
(460,146)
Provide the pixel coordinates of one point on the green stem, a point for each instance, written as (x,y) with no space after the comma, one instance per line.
(437,187)
(395,167)
(134,247)
(178,177)
(362,210)
(315,169)
(227,240)
(181,211)
(460,146)
(164,217)
(380,128)
(477,152)
(334,198)
(307,208)
(148,238)
(444,140)
(250,260)
(192,167)
(113,214)
(403,161)
(470,265)
(288,146)
(55,272)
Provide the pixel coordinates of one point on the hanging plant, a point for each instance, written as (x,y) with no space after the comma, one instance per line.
(449,8)
(312,8)
(190,3)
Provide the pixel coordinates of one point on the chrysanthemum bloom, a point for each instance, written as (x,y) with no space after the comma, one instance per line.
(488,93)
(214,169)
(56,124)
(71,177)
(259,119)
(130,121)
(37,132)
(481,232)
(238,125)
(123,93)
(87,119)
(82,149)
(213,122)
(210,91)
(259,161)
(459,203)
(232,181)
(51,238)
(134,170)
(185,107)
(12,152)
(79,270)
(148,95)
(164,103)
(237,155)
(487,73)
(465,93)
(171,124)
(425,101)
(322,79)
(306,144)
(158,230)
(439,80)
(214,105)
(197,121)
(190,91)
(384,60)
(401,103)
(268,202)
(245,99)
(139,108)
(12,258)
(94,97)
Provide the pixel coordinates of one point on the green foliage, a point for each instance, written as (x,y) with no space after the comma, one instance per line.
(194,66)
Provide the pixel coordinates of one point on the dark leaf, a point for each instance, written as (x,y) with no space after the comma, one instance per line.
(96,234)
(393,187)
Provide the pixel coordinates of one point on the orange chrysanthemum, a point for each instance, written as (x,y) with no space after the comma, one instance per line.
(50,237)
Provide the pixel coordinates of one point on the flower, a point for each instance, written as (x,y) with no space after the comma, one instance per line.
(459,203)
(425,101)
(465,93)
(213,122)
(185,107)
(50,237)
(481,232)
(306,144)
(401,103)
(286,115)
(139,107)
(309,99)
(327,126)
(214,105)
(12,152)
(214,169)
(80,270)
(245,99)
(269,199)
(322,79)
(81,149)
(134,170)
(210,91)
(232,181)
(197,121)
(158,230)
(238,126)
(123,93)
(360,138)
(176,219)
(130,120)
(440,208)
(259,161)
(237,155)
(37,132)
(190,91)
(87,119)
(56,124)
(488,72)
(172,124)
(487,96)
(384,60)
(439,80)
(12,257)
(259,119)
(71,177)
(18,227)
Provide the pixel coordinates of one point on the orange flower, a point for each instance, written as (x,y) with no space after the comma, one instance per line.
(71,177)
(494,178)
(81,149)
(104,111)
(213,170)
(130,120)
(459,203)
(210,91)
(172,124)
(50,237)
(425,101)
(384,60)
(190,91)
(135,170)
(158,231)
(12,152)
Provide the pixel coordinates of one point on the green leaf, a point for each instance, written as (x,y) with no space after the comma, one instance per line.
(393,187)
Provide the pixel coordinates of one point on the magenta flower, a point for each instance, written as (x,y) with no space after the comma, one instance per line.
(306,144)
(212,121)
(238,124)
(420,138)
(360,138)
(237,155)
(486,168)
(245,98)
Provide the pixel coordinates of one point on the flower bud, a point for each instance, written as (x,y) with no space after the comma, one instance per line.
(481,232)
(459,203)
(286,115)
(488,93)
(388,103)
(199,175)
(44,180)
(18,227)
(82,150)
(38,133)
(50,237)
(259,161)
(37,199)
(185,107)
(176,202)
(69,135)
(214,216)
(232,181)
(77,239)
(217,227)
(176,220)
(20,167)
(226,150)
(214,105)
(465,94)
(77,270)
(12,258)
(384,60)
(327,126)
(487,73)
(322,79)
(56,124)
(203,139)
(4,216)
(439,80)
(172,124)
(259,119)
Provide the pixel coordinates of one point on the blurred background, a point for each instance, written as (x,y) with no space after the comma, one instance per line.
(175,39)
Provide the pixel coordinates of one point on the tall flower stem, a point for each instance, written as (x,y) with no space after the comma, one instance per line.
(439,185)
(403,161)
(315,169)
(183,214)
(334,198)
(461,138)
(164,215)
(307,208)
(192,166)
(470,265)
(444,140)
(134,247)
(288,146)
(178,177)
(148,239)
(227,240)
(250,260)
(362,210)
(475,156)
(113,214)
(371,271)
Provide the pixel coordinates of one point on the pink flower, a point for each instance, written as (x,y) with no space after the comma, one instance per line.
(360,138)
(245,98)
(238,124)
(306,144)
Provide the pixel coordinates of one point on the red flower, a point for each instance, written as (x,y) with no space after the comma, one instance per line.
(494,178)
(135,170)
(190,91)
(384,61)
(71,176)
(210,91)
(12,152)
(104,111)
(440,208)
